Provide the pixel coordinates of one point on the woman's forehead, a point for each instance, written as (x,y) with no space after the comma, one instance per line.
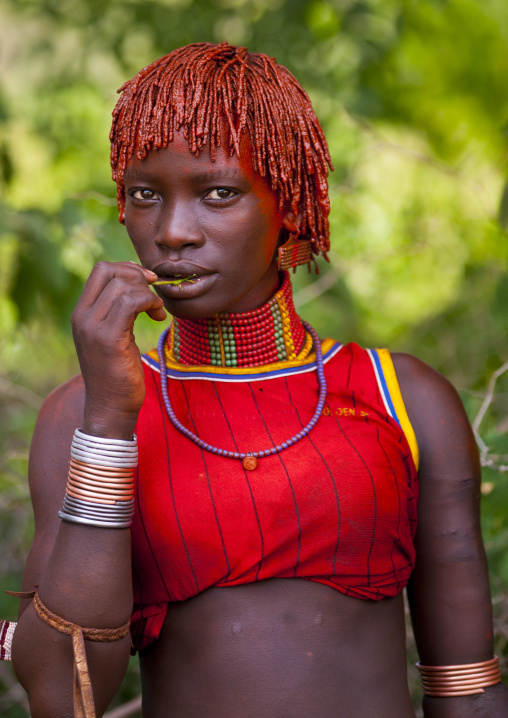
(222,165)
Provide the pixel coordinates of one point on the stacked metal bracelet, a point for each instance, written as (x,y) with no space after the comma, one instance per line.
(100,486)
(462,680)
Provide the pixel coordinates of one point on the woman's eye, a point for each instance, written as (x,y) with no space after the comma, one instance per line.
(143,194)
(220,193)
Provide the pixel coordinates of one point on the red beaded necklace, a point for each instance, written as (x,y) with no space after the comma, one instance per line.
(272,333)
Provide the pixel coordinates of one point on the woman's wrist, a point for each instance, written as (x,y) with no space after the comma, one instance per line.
(111,424)
(448,707)
(491,704)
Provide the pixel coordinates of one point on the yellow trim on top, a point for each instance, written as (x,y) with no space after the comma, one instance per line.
(398,402)
(326,345)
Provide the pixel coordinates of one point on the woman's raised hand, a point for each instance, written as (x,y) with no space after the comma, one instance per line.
(102,325)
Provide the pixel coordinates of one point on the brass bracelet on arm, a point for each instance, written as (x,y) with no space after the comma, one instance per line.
(460,680)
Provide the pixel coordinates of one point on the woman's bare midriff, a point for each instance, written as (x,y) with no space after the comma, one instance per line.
(281,648)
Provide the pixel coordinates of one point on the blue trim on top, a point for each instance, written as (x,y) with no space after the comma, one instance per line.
(255,376)
(384,385)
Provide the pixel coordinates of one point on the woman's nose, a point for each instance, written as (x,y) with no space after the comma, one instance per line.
(178,227)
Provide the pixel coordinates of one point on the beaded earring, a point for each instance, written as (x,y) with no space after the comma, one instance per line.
(294,252)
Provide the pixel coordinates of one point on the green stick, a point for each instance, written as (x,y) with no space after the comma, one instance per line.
(179,280)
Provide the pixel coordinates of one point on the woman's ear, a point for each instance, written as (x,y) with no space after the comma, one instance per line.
(292,222)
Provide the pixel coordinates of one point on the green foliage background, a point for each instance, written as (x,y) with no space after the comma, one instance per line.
(412,96)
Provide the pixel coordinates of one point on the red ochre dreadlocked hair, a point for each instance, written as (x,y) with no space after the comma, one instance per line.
(216,91)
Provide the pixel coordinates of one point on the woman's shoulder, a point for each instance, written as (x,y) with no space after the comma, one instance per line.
(62,407)
(422,386)
(67,396)
(435,410)
(61,413)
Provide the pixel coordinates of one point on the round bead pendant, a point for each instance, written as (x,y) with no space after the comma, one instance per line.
(249,463)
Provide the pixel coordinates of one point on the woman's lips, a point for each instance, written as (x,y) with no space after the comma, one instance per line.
(187,289)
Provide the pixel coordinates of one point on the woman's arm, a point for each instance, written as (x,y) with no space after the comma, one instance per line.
(83,572)
(449,589)
(83,575)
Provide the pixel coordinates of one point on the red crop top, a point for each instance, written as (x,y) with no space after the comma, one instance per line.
(338,507)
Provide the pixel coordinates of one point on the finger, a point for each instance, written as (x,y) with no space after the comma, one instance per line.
(105,272)
(158,314)
(123,312)
(150,276)
(114,299)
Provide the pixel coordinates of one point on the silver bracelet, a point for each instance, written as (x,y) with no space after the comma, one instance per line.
(89,457)
(89,513)
(104,452)
(77,506)
(127,443)
(93,522)
(83,445)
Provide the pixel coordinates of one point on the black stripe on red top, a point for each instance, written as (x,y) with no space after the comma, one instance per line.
(203,457)
(258,522)
(335,491)
(279,456)
(373,494)
(170,479)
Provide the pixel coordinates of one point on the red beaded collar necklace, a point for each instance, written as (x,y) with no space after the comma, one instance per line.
(272,333)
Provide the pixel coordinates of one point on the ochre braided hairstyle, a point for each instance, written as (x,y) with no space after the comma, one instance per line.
(220,91)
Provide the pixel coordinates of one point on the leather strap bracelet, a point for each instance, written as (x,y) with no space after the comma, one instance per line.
(461,680)
(84,705)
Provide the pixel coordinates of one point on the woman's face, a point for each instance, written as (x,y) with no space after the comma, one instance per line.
(187,215)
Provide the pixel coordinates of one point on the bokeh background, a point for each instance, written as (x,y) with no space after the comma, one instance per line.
(413,96)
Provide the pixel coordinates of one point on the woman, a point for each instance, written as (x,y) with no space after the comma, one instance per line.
(276,493)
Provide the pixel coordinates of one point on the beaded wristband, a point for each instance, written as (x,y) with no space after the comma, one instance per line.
(100,485)
(461,680)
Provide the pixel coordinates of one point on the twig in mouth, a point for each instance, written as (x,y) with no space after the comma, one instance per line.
(177,280)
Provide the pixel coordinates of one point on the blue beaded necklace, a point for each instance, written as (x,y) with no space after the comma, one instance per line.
(249,459)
